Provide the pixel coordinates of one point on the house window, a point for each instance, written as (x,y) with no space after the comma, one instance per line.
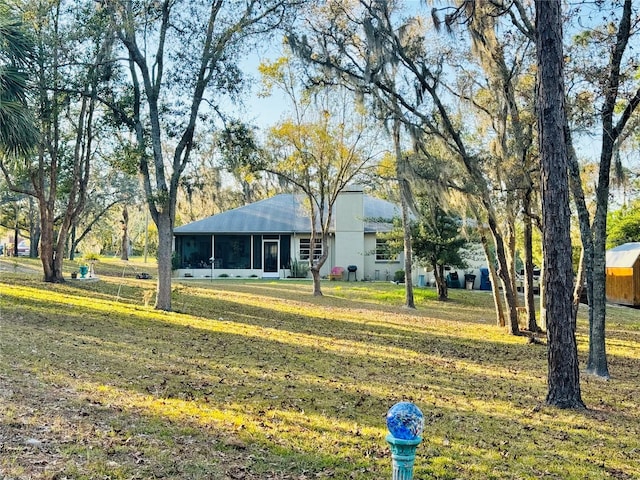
(233,251)
(193,251)
(305,248)
(383,251)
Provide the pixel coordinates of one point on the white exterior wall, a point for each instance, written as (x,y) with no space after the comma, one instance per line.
(349,232)
(376,270)
(350,251)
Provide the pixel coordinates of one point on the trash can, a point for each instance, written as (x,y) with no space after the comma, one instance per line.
(421,282)
(452,280)
(469,280)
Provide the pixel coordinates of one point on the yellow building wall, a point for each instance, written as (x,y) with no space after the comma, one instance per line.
(623,285)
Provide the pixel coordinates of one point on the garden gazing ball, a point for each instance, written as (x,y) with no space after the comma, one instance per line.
(405,421)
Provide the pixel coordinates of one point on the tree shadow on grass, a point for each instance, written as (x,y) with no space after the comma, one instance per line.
(299,387)
(97,388)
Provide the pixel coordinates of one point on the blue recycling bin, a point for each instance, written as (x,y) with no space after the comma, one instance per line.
(485,283)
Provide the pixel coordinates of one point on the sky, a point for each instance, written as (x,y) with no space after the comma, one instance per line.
(265,112)
(262,112)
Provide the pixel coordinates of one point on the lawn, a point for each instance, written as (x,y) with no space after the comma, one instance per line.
(252,379)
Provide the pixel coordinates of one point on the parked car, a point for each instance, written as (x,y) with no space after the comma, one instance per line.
(536,280)
(23,249)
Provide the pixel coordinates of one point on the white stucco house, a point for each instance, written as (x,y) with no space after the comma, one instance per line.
(265,238)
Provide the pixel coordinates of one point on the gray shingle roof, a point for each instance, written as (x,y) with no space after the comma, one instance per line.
(284,213)
(624,256)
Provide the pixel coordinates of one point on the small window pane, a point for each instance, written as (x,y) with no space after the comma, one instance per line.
(383,252)
(305,248)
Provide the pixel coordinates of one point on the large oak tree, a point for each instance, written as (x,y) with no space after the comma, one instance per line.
(68,69)
(602,59)
(369,46)
(182,59)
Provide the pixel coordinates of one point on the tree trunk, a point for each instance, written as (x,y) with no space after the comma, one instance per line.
(577,290)
(34,229)
(586,236)
(495,291)
(543,299)
(46,251)
(408,256)
(528,264)
(508,292)
(72,242)
(593,265)
(405,195)
(317,286)
(503,266)
(165,244)
(58,255)
(16,236)
(315,265)
(51,265)
(441,283)
(597,360)
(35,238)
(562,353)
(510,252)
(124,255)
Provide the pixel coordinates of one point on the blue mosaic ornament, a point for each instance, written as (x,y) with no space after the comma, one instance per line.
(405,421)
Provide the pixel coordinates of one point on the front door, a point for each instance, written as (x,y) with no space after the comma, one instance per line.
(270,259)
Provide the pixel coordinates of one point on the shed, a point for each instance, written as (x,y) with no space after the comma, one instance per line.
(623,274)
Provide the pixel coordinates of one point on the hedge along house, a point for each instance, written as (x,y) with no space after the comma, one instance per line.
(623,274)
(267,238)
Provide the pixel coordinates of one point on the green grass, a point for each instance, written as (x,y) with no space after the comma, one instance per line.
(259,379)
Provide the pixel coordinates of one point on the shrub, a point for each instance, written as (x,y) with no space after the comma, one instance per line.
(175,261)
(91,257)
(299,269)
(398,276)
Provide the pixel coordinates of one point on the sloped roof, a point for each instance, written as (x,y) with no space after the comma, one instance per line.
(624,256)
(284,213)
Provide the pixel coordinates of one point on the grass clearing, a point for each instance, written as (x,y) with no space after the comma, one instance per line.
(253,379)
